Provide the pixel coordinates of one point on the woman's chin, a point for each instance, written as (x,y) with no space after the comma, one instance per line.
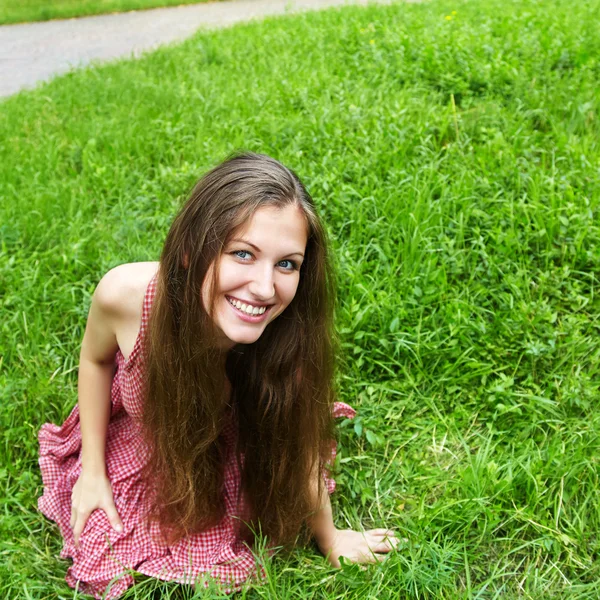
(243,337)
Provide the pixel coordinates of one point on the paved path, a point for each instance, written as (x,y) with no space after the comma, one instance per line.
(33,52)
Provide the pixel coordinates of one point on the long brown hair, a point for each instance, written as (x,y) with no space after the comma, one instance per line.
(281,385)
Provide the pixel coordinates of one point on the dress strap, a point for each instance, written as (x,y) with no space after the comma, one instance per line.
(148,301)
(146,307)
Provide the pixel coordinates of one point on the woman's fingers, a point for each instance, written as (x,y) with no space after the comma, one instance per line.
(383,536)
(80,521)
(382,532)
(113,517)
(381,541)
(385,546)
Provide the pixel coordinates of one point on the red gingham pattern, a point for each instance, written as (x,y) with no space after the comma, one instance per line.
(105,558)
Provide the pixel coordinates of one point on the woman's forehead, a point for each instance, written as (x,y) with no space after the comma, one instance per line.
(273,223)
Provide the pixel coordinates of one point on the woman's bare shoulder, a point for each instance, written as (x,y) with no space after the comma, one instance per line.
(120,292)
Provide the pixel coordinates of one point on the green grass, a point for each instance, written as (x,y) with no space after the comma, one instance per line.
(21,11)
(457,164)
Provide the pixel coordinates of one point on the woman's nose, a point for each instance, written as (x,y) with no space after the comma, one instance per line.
(262,286)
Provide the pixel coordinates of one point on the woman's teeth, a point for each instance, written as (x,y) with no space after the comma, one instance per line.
(247,308)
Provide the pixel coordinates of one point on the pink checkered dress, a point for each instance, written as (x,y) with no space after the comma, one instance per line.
(105,559)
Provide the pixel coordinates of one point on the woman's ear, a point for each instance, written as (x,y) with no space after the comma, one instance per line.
(186,260)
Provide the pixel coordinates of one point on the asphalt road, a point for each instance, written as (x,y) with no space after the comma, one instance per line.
(34,52)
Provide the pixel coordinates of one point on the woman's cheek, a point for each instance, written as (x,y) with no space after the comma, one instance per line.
(291,289)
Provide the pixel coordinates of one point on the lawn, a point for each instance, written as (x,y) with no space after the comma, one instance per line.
(20,11)
(453,150)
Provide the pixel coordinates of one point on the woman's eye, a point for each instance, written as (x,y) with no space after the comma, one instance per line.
(288,265)
(243,254)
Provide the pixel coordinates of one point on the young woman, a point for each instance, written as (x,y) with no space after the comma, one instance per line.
(206,404)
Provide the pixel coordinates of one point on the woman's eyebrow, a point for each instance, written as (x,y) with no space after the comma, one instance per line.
(243,241)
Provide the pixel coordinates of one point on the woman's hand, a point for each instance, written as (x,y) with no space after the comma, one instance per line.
(359,547)
(89,493)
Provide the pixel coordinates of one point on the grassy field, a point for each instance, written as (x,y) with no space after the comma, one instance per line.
(21,11)
(453,149)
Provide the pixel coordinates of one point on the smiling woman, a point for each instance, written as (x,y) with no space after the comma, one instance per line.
(206,403)
(258,273)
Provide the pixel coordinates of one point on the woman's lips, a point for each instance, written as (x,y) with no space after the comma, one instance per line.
(244,316)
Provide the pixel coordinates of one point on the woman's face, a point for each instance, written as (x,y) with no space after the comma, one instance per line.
(259,272)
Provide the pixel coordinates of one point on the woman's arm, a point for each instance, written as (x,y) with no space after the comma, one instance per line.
(356,546)
(96,368)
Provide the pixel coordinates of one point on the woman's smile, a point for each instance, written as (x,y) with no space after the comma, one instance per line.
(251,313)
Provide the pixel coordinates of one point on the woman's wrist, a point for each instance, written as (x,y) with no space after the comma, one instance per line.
(93,466)
(321,522)
(325,539)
